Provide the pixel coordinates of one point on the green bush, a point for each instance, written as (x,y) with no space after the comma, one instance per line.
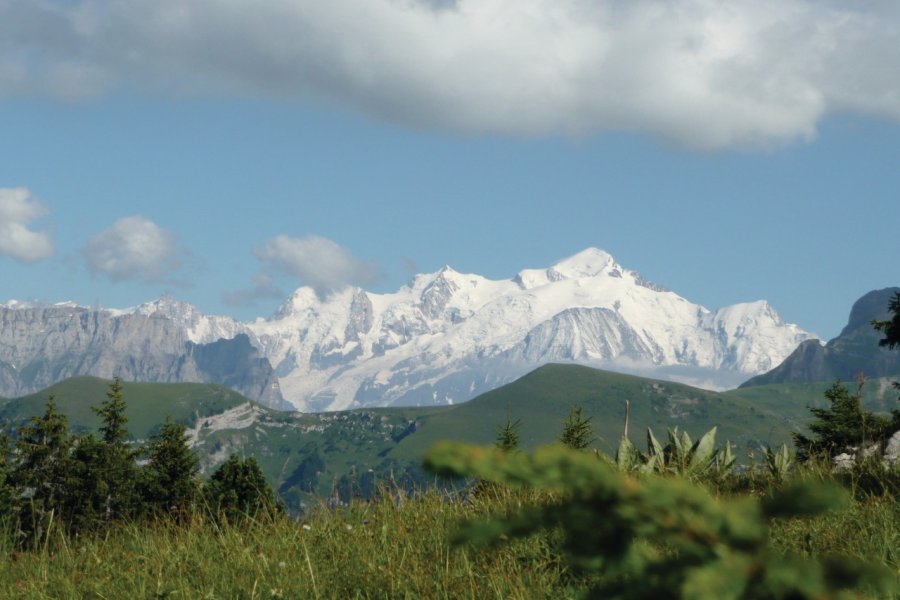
(659,537)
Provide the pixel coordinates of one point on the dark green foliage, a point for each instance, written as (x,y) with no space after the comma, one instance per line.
(891,327)
(577,430)
(891,330)
(7,491)
(660,538)
(306,476)
(842,427)
(113,461)
(89,498)
(43,469)
(239,489)
(169,483)
(508,435)
(112,415)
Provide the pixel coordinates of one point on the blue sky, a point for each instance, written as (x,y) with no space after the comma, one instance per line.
(227,158)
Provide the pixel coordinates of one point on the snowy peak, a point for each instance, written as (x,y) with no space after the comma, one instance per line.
(587,263)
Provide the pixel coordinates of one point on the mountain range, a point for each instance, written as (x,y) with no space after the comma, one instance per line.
(443,338)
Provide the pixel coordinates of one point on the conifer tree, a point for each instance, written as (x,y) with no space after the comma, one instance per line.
(87,499)
(891,327)
(170,475)
(42,469)
(7,491)
(577,430)
(114,460)
(239,489)
(508,435)
(841,427)
(891,339)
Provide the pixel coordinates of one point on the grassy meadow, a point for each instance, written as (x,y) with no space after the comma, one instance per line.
(394,546)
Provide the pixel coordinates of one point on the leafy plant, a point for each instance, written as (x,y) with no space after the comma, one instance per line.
(658,537)
(779,462)
(680,456)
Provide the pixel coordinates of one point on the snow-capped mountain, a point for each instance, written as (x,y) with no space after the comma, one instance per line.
(448,336)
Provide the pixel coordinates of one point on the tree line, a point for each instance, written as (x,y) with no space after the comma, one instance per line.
(51,477)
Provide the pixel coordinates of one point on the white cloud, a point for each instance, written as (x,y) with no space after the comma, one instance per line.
(704,73)
(17,211)
(135,248)
(315,261)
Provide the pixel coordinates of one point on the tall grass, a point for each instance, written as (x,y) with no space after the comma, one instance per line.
(396,546)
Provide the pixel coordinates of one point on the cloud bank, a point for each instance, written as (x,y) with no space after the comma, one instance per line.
(314,261)
(17,240)
(135,248)
(703,73)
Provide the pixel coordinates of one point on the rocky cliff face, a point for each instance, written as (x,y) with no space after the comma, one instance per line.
(852,352)
(40,346)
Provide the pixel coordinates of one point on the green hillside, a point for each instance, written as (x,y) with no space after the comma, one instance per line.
(543,398)
(148,403)
(342,454)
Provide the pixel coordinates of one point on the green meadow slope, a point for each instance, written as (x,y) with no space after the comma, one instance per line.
(338,455)
(148,403)
(542,399)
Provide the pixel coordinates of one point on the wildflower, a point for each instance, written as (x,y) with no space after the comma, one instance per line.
(306,527)
(348,526)
(365,521)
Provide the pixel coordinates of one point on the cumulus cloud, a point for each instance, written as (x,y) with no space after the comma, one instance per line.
(704,73)
(135,248)
(314,261)
(17,240)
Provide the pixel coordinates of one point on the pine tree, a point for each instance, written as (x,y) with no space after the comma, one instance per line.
(170,475)
(87,498)
(508,435)
(891,339)
(841,427)
(239,489)
(577,430)
(112,414)
(114,460)
(891,327)
(7,491)
(43,468)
